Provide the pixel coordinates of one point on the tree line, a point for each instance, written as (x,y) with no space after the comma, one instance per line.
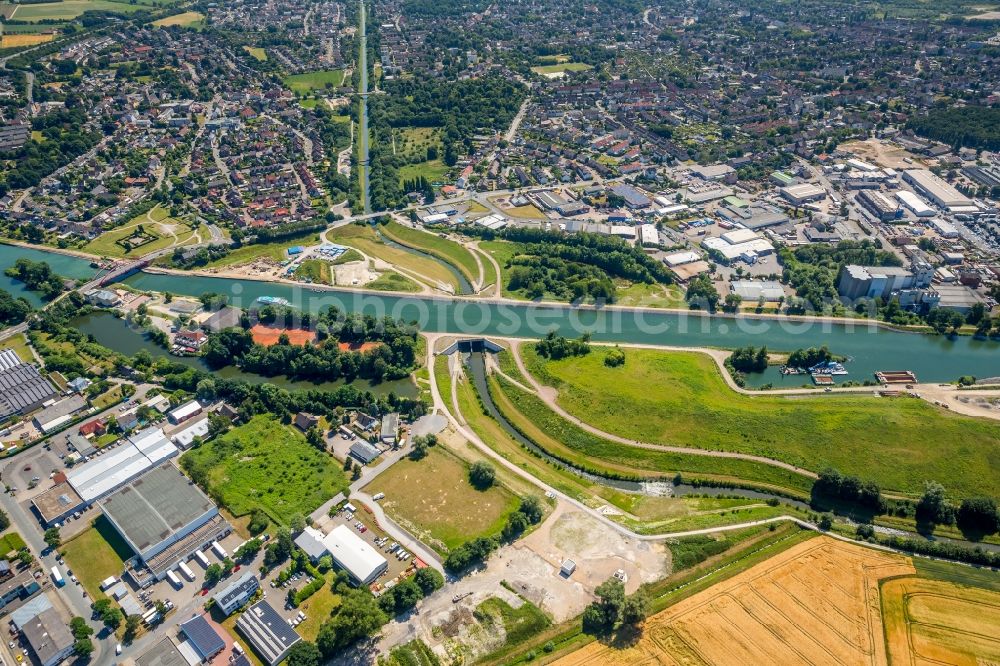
(37,276)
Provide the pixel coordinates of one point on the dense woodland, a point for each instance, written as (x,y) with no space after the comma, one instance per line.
(813,269)
(961,126)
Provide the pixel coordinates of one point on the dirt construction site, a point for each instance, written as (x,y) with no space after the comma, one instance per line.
(530,569)
(815,603)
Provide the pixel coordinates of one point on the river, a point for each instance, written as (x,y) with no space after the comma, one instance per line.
(933,358)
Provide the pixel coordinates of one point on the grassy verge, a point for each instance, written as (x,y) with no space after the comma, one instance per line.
(264,464)
(518,624)
(957,573)
(581,449)
(446,250)
(315,271)
(897,442)
(94,554)
(276,251)
(19,343)
(393,281)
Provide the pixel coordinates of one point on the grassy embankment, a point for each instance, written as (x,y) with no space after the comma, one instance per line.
(363,238)
(437,246)
(681,399)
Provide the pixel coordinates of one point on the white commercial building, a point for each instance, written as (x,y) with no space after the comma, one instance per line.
(648,235)
(804,193)
(739,236)
(945,229)
(102,476)
(186,411)
(915,204)
(184,437)
(937,190)
(681,258)
(349,551)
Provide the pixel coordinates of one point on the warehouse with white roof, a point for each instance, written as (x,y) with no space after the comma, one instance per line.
(102,476)
(349,551)
(915,204)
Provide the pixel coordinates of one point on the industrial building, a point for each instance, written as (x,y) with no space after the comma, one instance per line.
(236,593)
(48,638)
(879,205)
(186,411)
(184,437)
(803,193)
(749,251)
(390,428)
(14,135)
(752,291)
(914,204)
(267,632)
(945,229)
(364,451)
(202,637)
(755,216)
(102,476)
(937,190)
(164,518)
(350,552)
(856,282)
(59,414)
(56,503)
(22,388)
(634,199)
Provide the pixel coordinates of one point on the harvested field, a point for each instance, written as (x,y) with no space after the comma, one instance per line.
(935,622)
(16,41)
(816,603)
(267,336)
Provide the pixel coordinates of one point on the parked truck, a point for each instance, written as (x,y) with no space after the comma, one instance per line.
(57,577)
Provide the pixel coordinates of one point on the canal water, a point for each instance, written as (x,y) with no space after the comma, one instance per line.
(932,357)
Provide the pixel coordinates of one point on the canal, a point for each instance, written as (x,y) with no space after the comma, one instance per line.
(932,357)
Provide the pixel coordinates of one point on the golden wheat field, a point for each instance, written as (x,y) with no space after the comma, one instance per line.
(816,603)
(16,41)
(935,622)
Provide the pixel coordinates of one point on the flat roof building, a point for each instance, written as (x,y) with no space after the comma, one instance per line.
(184,437)
(633,198)
(751,291)
(157,510)
(186,411)
(390,426)
(48,637)
(203,638)
(936,189)
(803,193)
(914,204)
(57,415)
(267,632)
(364,451)
(102,476)
(163,653)
(56,503)
(236,593)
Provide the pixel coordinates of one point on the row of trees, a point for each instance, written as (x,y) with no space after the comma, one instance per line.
(478,550)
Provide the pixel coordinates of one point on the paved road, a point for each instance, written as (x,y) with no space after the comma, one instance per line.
(27,526)
(363,173)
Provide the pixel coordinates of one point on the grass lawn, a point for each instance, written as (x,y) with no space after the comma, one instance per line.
(274,251)
(268,465)
(257,52)
(645,295)
(317,609)
(184,19)
(19,344)
(70,9)
(434,499)
(681,399)
(348,257)
(414,653)
(305,83)
(11,543)
(413,142)
(393,281)
(316,271)
(438,246)
(364,239)
(433,170)
(157,222)
(529,211)
(519,624)
(94,554)
(108,398)
(561,67)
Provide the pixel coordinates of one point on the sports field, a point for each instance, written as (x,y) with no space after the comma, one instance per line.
(303,84)
(936,622)
(435,501)
(815,603)
(561,68)
(680,398)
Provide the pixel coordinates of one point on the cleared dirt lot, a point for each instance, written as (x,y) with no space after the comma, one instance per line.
(816,603)
(934,622)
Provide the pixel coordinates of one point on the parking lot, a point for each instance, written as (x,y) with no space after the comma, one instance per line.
(399,559)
